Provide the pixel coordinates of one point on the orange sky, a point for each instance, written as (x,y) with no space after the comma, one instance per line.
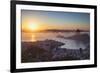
(41,20)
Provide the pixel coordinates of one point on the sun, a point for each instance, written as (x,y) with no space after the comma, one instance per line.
(33,27)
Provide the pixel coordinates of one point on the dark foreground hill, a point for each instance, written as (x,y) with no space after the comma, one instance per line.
(49,50)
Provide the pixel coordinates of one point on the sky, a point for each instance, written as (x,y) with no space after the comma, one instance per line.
(39,20)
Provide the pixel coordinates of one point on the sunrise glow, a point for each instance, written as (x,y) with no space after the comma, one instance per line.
(43,20)
(33,27)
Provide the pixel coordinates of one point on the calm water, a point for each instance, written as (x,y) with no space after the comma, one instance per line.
(69,44)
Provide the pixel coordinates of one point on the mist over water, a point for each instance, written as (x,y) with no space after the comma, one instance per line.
(68,43)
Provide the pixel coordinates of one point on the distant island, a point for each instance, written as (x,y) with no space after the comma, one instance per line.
(57,30)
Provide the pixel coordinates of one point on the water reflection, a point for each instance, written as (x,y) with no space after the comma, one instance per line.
(69,43)
(33,38)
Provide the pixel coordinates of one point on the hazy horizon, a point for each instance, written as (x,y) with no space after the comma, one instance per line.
(35,20)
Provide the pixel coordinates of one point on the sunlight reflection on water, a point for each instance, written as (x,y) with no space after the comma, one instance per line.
(69,44)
